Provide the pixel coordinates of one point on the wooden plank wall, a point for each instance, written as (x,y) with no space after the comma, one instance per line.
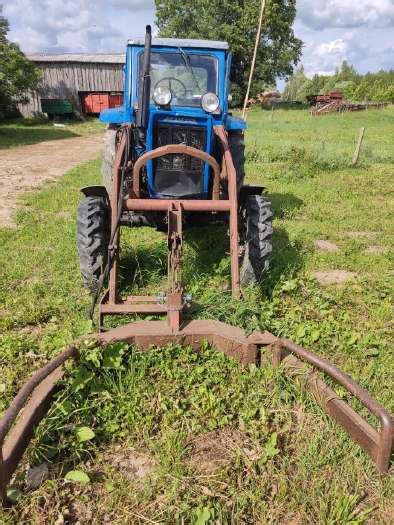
(65,80)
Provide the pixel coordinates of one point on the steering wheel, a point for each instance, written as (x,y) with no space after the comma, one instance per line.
(170,80)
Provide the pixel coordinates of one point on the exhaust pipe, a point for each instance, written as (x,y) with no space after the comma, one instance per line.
(142,113)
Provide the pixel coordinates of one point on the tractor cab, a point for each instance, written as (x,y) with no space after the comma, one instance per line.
(188,95)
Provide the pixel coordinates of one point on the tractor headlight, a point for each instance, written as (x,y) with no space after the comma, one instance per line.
(162,96)
(210,102)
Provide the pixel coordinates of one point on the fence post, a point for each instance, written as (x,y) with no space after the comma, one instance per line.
(356,154)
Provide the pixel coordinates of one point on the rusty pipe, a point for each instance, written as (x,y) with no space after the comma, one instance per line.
(221,133)
(164,205)
(174,149)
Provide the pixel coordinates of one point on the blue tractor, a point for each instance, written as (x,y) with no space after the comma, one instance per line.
(173,155)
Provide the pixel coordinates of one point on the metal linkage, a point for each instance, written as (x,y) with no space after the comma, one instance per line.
(33,400)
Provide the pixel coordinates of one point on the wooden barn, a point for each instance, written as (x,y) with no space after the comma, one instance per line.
(76,83)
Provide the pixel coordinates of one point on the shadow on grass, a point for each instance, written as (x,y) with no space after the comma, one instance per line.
(284,205)
(205,249)
(142,267)
(286,261)
(11,136)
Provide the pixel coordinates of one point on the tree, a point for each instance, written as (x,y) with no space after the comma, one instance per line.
(297,87)
(236,22)
(347,72)
(316,85)
(17,74)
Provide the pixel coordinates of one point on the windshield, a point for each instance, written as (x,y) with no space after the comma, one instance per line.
(188,76)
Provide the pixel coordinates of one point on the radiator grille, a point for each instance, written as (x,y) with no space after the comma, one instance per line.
(179,175)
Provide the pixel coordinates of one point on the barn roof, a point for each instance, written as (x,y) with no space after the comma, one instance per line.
(181,42)
(95,58)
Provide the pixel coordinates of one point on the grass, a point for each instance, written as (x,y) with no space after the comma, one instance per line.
(19,132)
(286,462)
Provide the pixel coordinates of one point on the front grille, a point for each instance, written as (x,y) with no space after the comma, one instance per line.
(179,175)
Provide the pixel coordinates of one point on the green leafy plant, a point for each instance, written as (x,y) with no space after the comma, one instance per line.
(77,476)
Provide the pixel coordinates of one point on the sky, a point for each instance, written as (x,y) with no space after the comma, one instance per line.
(360,31)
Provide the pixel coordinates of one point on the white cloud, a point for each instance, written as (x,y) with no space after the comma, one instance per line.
(76,25)
(322,14)
(336,47)
(324,58)
(134,5)
(332,30)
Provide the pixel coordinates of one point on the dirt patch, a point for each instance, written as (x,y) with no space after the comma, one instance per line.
(132,464)
(326,246)
(334,277)
(30,329)
(215,450)
(374,250)
(360,235)
(64,215)
(30,167)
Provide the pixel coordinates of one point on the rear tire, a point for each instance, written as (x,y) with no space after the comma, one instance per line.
(256,239)
(93,235)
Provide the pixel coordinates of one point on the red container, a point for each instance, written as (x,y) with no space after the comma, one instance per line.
(96,102)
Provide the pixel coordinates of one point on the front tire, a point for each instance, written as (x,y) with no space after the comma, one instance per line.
(256,239)
(93,235)
(131,219)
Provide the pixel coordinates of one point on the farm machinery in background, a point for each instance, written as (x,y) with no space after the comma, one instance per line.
(173,154)
(334,102)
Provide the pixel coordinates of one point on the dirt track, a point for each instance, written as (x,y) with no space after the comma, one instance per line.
(29,167)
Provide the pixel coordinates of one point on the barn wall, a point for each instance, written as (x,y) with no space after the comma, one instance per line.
(33,106)
(65,80)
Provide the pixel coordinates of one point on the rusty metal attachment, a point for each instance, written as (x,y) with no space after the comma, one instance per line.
(173,303)
(34,399)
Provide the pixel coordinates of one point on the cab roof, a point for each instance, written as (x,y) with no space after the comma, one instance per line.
(181,42)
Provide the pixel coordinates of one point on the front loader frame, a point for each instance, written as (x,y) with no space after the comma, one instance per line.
(174,301)
(34,399)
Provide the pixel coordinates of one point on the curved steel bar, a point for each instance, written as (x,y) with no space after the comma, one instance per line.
(39,388)
(36,395)
(174,149)
(387,424)
(25,392)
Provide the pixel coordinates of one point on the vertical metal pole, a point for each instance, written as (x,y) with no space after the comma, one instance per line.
(113,275)
(233,198)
